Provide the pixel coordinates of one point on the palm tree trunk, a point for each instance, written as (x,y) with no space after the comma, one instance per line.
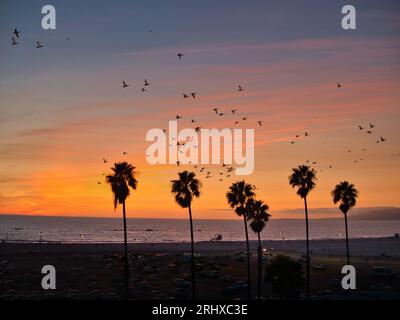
(248,259)
(347,240)
(308,250)
(126,253)
(259,267)
(192,256)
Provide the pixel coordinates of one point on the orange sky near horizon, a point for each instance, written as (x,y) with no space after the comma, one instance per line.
(58,123)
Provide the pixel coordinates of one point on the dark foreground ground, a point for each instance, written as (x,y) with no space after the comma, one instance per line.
(163,271)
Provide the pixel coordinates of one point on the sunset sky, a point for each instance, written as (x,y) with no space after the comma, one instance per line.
(63,109)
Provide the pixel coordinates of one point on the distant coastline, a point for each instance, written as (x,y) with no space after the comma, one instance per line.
(370,213)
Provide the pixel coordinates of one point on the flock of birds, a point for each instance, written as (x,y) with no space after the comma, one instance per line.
(16,34)
(225,171)
(369,131)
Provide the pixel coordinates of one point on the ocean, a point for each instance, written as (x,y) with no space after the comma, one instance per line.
(109,230)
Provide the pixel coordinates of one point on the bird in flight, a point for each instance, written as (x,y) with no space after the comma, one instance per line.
(146,83)
(260,123)
(180,55)
(178,163)
(13,41)
(234,111)
(38,45)
(104,160)
(193,94)
(194,121)
(198,129)
(371,125)
(339,85)
(292,142)
(240,88)
(306,134)
(382,139)
(185,96)
(237,122)
(16,32)
(360,127)
(221,114)
(178,117)
(244,118)
(143,90)
(216,110)
(125,153)
(369,132)
(124,84)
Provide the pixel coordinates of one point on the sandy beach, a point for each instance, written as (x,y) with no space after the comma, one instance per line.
(162,271)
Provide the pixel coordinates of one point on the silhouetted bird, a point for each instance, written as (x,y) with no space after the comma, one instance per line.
(185,96)
(194,121)
(125,153)
(143,90)
(178,117)
(244,118)
(193,94)
(260,123)
(382,139)
(360,127)
(369,132)
(339,85)
(105,161)
(17,33)
(180,55)
(216,110)
(234,111)
(146,83)
(38,45)
(240,88)
(198,129)
(306,134)
(371,125)
(124,84)
(178,163)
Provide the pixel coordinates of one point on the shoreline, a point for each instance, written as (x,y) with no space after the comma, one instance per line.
(371,247)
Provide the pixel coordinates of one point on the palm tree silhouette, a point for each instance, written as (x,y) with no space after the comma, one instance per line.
(123,178)
(238,195)
(185,189)
(347,195)
(304,178)
(257,214)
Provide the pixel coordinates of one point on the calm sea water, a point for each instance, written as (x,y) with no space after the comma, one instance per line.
(168,230)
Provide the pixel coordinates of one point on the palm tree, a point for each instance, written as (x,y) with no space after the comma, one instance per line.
(286,276)
(185,189)
(123,178)
(304,178)
(238,195)
(257,213)
(347,195)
